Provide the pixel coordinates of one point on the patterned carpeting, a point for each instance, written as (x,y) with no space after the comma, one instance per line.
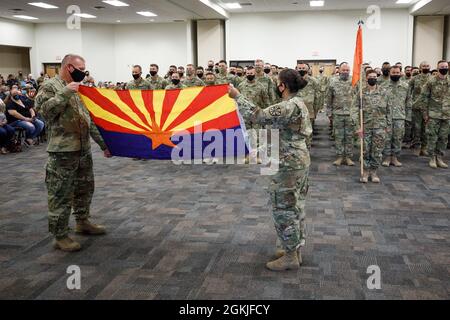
(205,232)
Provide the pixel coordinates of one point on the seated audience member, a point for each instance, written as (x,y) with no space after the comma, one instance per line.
(6,131)
(21,116)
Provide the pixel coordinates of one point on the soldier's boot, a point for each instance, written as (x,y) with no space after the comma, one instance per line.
(289,261)
(338,161)
(440,163)
(87,227)
(365,177)
(349,162)
(67,244)
(433,163)
(280,252)
(424,152)
(374,176)
(395,162)
(387,162)
(416,152)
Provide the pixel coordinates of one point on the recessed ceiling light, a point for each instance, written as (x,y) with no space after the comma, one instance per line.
(84,15)
(118,21)
(116,3)
(316,3)
(232,5)
(146,13)
(25,17)
(403,1)
(43,5)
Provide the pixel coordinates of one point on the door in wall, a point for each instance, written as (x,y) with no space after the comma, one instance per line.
(328,65)
(52,69)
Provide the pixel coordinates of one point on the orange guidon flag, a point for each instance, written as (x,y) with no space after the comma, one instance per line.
(150,124)
(358,59)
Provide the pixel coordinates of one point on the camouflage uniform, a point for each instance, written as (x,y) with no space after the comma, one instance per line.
(382,79)
(178,86)
(69,174)
(310,96)
(140,83)
(435,96)
(225,79)
(289,186)
(399,102)
(268,85)
(157,82)
(418,124)
(339,106)
(323,82)
(377,118)
(238,80)
(193,82)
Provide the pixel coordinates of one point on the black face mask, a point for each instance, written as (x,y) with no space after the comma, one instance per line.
(217,70)
(136,76)
(16,97)
(210,67)
(302,72)
(175,81)
(443,71)
(153,73)
(200,75)
(395,78)
(239,74)
(372,82)
(321,71)
(385,72)
(267,71)
(233,73)
(251,78)
(170,73)
(408,74)
(425,71)
(77,75)
(181,74)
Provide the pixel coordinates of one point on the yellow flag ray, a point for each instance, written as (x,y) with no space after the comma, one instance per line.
(114,97)
(136,95)
(158,100)
(184,99)
(98,112)
(216,109)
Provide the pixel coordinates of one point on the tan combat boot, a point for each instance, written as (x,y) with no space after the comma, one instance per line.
(374,177)
(86,227)
(338,161)
(387,162)
(289,261)
(424,152)
(365,177)
(349,162)
(67,244)
(440,163)
(280,252)
(432,163)
(395,162)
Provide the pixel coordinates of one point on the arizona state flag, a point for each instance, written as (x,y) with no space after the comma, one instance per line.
(155,124)
(358,58)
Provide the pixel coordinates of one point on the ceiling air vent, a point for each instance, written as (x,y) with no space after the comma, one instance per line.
(243,4)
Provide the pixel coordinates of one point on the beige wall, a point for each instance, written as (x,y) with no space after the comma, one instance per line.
(13,59)
(447,36)
(210,41)
(428,39)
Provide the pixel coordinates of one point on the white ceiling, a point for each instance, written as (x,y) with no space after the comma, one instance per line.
(302,5)
(170,10)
